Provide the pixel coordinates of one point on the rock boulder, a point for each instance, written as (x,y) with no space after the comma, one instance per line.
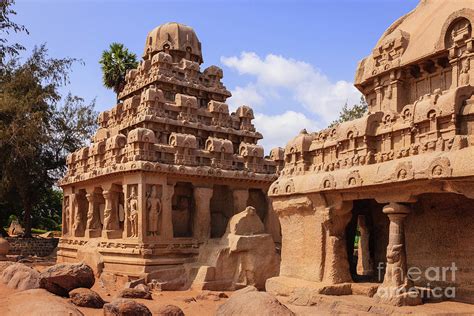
(20,276)
(86,298)
(125,307)
(62,278)
(253,303)
(169,310)
(135,293)
(37,302)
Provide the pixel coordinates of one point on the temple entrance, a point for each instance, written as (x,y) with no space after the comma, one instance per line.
(258,200)
(222,208)
(183,207)
(367,239)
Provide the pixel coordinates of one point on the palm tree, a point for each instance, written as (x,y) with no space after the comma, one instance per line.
(114,63)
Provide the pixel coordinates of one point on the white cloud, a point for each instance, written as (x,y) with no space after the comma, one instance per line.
(308,86)
(247,95)
(278,129)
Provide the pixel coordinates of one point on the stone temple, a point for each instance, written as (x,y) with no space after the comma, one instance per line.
(402,176)
(168,167)
(175,190)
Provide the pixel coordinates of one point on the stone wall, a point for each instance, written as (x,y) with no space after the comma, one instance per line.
(438,233)
(40,247)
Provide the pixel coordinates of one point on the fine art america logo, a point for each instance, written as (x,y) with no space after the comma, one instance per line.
(432,277)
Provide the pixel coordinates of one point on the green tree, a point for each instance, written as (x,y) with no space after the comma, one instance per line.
(349,113)
(115,63)
(6,27)
(36,132)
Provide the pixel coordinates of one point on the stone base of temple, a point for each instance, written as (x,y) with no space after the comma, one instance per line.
(398,297)
(111,234)
(286,286)
(123,258)
(405,299)
(93,233)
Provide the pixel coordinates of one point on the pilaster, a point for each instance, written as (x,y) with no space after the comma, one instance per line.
(202,218)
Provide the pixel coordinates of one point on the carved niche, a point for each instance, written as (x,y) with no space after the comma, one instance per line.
(353,179)
(439,168)
(132,211)
(153,210)
(403,172)
(328,182)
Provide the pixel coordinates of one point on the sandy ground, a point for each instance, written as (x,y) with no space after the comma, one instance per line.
(186,300)
(189,302)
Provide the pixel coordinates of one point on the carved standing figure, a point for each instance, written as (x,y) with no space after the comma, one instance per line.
(66,216)
(153,206)
(464,74)
(78,226)
(133,212)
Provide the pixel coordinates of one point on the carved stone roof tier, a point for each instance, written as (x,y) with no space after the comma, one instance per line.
(174,37)
(423,32)
(173,114)
(419,86)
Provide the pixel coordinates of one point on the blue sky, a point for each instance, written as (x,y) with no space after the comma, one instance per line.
(292,61)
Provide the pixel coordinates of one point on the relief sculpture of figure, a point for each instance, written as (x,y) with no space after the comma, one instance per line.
(78,225)
(153,207)
(133,212)
(464,75)
(66,216)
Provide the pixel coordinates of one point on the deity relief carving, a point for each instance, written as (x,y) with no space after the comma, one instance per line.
(328,182)
(132,210)
(464,73)
(153,208)
(78,225)
(395,271)
(67,215)
(403,172)
(353,179)
(439,168)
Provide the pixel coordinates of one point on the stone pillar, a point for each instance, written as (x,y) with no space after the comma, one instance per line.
(141,210)
(364,261)
(111,220)
(66,215)
(379,97)
(93,228)
(202,218)
(241,197)
(126,223)
(336,264)
(272,224)
(167,212)
(79,220)
(396,288)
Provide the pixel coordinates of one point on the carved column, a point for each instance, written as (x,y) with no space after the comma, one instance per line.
(379,97)
(397,289)
(167,219)
(126,223)
(272,224)
(364,261)
(141,210)
(79,219)
(241,197)
(111,219)
(93,228)
(336,264)
(202,218)
(66,215)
